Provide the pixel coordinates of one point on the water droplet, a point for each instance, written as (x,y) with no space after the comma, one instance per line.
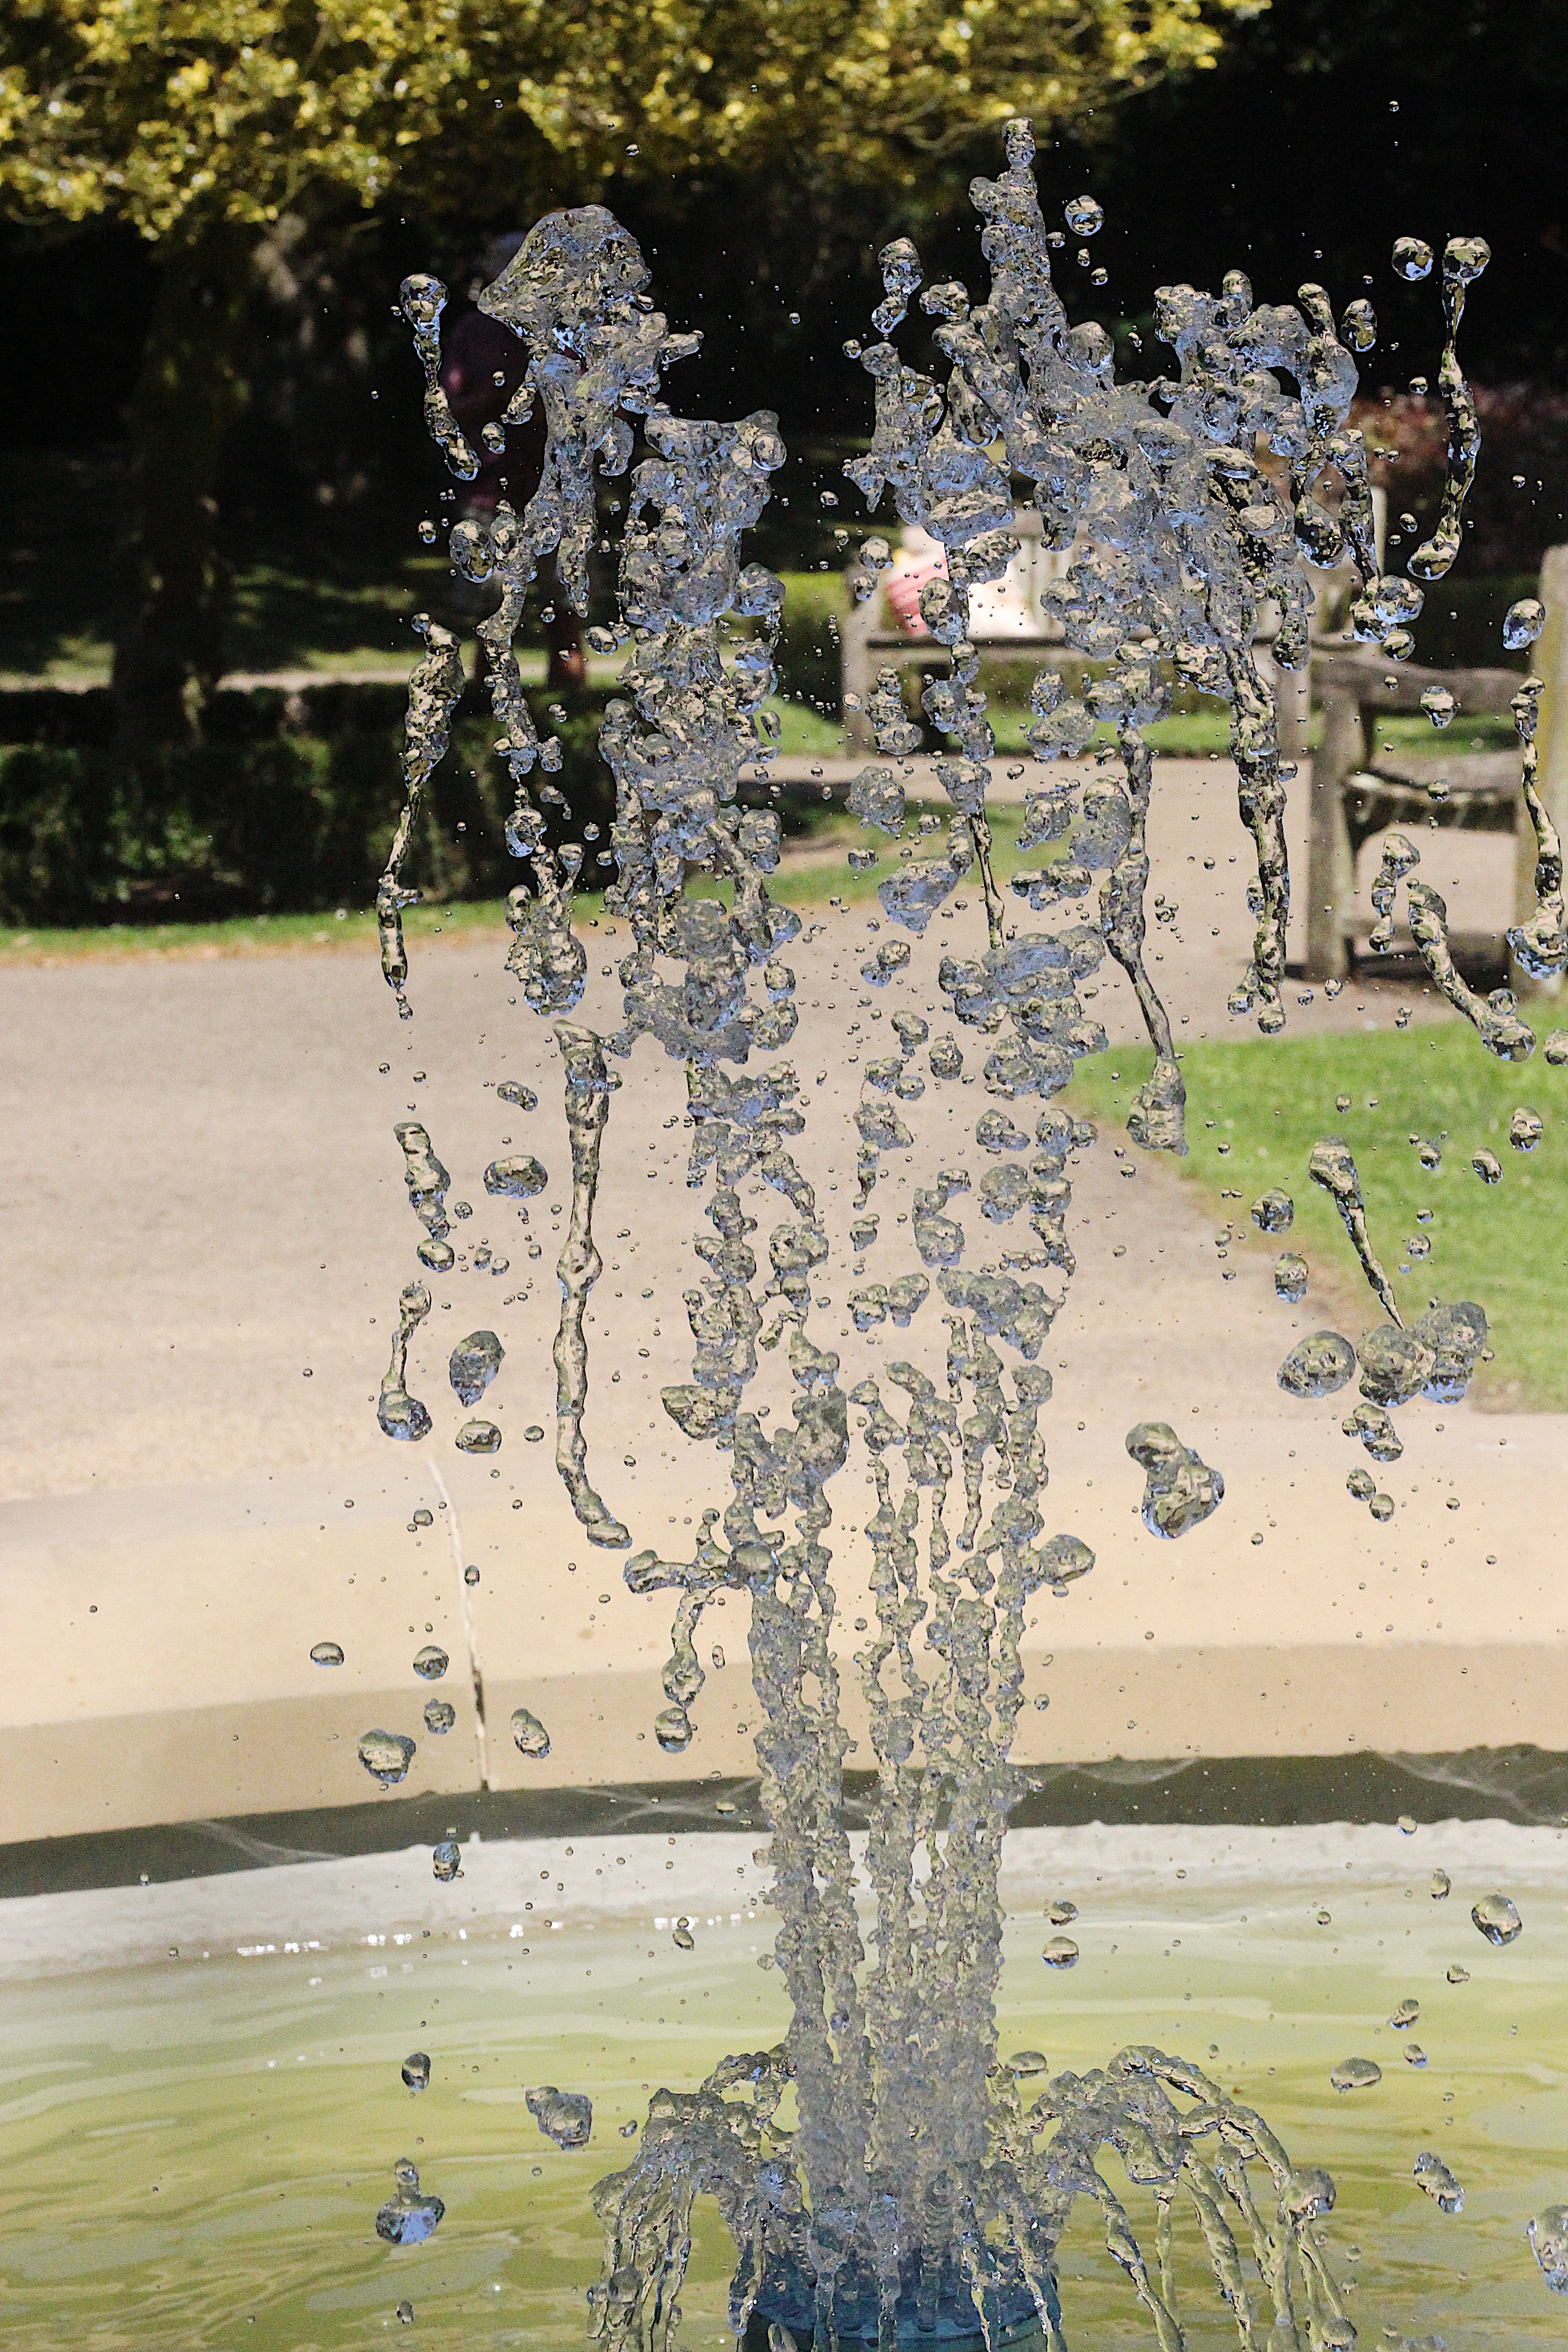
(528,1733)
(1083,215)
(1290,1276)
(682,1938)
(1060,1952)
(1382,1506)
(1273,1212)
(431,1663)
(565,2116)
(440,1715)
(1024,2062)
(1413,2054)
(1406,1823)
(1457,1975)
(478,1437)
(408,2219)
(1317,1366)
(470,1576)
(1434,2176)
(1355,2075)
(1405,2015)
(327,1654)
(1522,622)
(1361,1486)
(1496,1918)
(385,1755)
(1441,1886)
(672,1730)
(417,2070)
(406,2314)
(1488,1167)
(518,1178)
(1524,1130)
(1439,704)
(446,1860)
(1412,257)
(475,1361)
(1548,2234)
(1181,1490)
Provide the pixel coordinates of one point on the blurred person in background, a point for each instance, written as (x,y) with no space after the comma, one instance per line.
(482,367)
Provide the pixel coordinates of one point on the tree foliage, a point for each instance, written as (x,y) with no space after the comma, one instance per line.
(167,112)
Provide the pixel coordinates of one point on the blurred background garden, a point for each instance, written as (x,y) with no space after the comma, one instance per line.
(215,471)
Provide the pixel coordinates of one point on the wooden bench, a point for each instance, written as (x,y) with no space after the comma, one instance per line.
(1357,791)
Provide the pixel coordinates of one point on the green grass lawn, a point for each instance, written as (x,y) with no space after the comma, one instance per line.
(1255,1109)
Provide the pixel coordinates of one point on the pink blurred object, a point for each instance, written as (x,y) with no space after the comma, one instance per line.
(920,558)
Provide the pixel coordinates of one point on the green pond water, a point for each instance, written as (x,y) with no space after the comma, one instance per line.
(197,2139)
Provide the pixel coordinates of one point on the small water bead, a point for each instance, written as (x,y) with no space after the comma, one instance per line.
(672,1729)
(518,1178)
(1060,1952)
(1439,706)
(1317,1366)
(565,2116)
(1434,2176)
(1358,327)
(1061,1913)
(1430,1155)
(1406,1823)
(1382,1507)
(431,1663)
(1341,1103)
(405,2315)
(440,1256)
(1524,1130)
(408,2219)
(1488,1167)
(1355,2075)
(1290,1276)
(1273,1212)
(1498,1918)
(439,1715)
(327,1654)
(1361,1486)
(478,1437)
(513,1090)
(1405,2015)
(447,1861)
(470,1576)
(1523,623)
(1412,257)
(1418,1246)
(528,1734)
(1182,1491)
(1024,2062)
(1441,1886)
(1455,1974)
(1548,2235)
(1413,2054)
(385,1755)
(473,1365)
(682,1938)
(1556,1048)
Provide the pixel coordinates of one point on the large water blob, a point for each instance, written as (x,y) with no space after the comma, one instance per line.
(913,2194)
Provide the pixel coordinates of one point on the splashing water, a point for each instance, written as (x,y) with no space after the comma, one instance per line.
(915,2188)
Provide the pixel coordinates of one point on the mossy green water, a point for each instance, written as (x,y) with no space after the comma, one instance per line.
(196,2147)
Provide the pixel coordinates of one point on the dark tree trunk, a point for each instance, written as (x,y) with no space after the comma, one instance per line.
(192,385)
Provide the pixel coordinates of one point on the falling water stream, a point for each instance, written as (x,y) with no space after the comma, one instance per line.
(884,2173)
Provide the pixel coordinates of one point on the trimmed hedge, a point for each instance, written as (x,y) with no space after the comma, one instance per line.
(290,825)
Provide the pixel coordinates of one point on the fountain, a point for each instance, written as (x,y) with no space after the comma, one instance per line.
(884,2174)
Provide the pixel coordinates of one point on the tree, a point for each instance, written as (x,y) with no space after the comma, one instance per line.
(204,123)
